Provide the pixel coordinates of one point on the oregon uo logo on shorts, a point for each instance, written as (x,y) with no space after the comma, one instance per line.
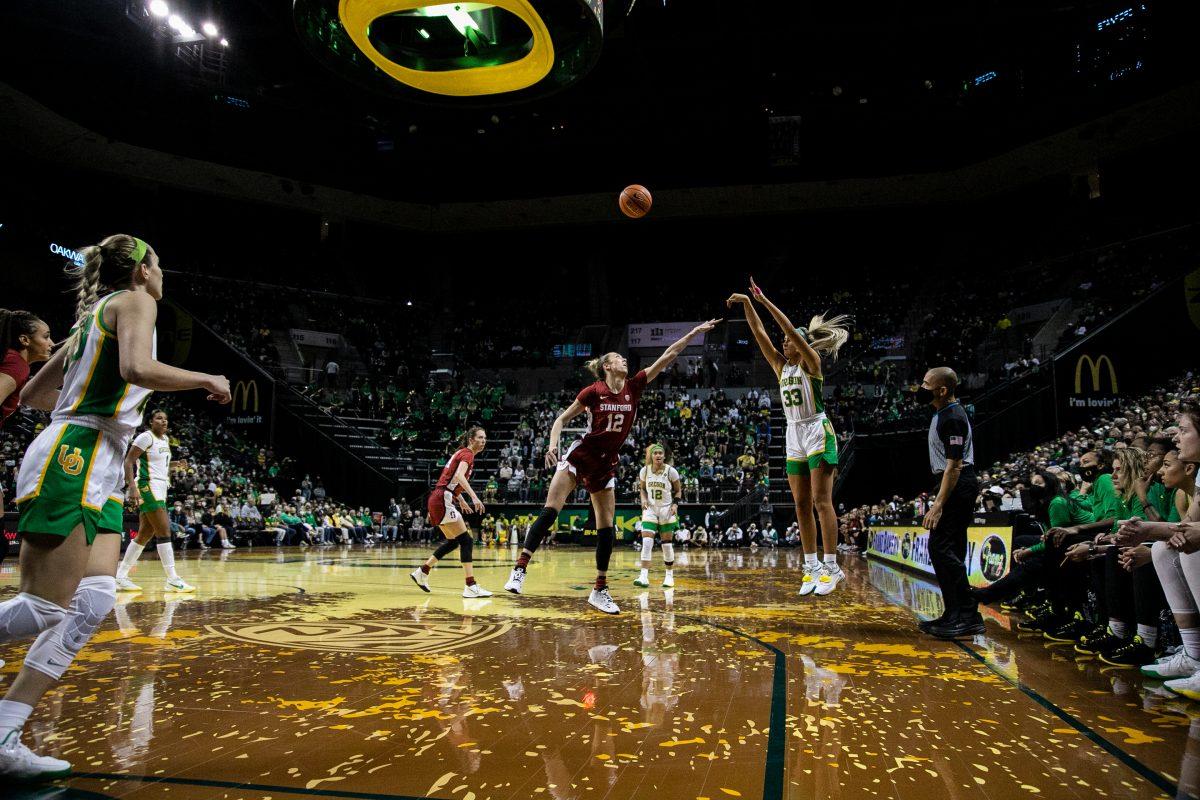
(71,463)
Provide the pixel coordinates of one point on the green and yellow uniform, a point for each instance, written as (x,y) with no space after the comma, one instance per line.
(73,471)
(810,438)
(153,470)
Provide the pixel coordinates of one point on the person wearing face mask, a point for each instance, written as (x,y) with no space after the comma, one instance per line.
(952,461)
(1050,508)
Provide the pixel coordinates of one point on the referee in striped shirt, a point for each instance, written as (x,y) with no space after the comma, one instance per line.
(952,461)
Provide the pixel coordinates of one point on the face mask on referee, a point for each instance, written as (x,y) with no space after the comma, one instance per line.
(923,396)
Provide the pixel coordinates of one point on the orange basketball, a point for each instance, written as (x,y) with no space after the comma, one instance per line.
(635,201)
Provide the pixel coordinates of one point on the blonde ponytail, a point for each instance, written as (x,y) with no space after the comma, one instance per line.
(596,365)
(108,265)
(828,335)
(87,292)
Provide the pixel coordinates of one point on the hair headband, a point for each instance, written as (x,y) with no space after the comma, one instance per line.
(139,250)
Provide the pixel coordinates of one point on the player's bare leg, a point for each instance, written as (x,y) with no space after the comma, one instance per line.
(802,495)
(822,483)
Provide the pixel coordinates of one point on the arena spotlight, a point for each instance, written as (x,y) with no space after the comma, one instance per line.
(499,51)
(181,27)
(209,29)
(224,43)
(159,8)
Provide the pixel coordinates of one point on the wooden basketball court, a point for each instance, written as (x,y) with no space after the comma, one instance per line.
(327,673)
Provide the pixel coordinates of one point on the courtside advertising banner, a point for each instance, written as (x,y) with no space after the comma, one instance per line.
(989,550)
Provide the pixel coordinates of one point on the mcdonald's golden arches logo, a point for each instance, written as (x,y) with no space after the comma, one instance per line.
(243,390)
(1094,367)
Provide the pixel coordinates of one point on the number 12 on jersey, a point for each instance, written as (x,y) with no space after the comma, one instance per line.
(615,423)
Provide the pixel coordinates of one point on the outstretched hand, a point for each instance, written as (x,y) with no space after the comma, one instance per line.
(218,389)
(705,327)
(756,291)
(737,297)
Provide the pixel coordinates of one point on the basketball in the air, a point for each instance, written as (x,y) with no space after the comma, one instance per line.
(635,201)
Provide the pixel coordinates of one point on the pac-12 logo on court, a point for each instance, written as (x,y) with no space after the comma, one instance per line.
(365,636)
(71,463)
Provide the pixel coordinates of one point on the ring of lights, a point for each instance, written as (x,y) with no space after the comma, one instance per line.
(357,16)
(565,38)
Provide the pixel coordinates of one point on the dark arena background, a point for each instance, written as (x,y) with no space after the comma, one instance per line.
(391,223)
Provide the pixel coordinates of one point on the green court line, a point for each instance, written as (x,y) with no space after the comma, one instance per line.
(777,736)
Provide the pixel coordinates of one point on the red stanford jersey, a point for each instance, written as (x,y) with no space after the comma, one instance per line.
(14,367)
(444,482)
(611,415)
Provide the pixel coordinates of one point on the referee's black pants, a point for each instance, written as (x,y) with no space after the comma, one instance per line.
(948,546)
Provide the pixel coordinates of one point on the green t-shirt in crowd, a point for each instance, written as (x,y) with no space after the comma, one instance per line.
(1174,515)
(1060,513)
(1107,504)
(1081,507)
(1161,499)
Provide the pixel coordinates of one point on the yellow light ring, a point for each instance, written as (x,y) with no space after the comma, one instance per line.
(357,16)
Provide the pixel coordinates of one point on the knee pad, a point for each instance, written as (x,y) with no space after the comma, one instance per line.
(647,547)
(668,553)
(466,546)
(539,528)
(55,649)
(27,615)
(604,548)
(445,547)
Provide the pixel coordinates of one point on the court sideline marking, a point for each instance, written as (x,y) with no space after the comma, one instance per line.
(777,735)
(1150,775)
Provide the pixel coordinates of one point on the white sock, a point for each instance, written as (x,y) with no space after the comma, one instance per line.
(132,554)
(1191,642)
(647,547)
(810,560)
(1149,634)
(831,560)
(13,716)
(645,574)
(1119,629)
(166,554)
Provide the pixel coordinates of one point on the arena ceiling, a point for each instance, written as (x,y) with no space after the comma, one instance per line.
(685,93)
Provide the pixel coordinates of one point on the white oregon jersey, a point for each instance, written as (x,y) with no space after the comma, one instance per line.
(658,484)
(93,389)
(800,393)
(155,462)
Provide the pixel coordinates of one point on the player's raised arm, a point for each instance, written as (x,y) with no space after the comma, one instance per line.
(574,410)
(810,357)
(775,358)
(673,352)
